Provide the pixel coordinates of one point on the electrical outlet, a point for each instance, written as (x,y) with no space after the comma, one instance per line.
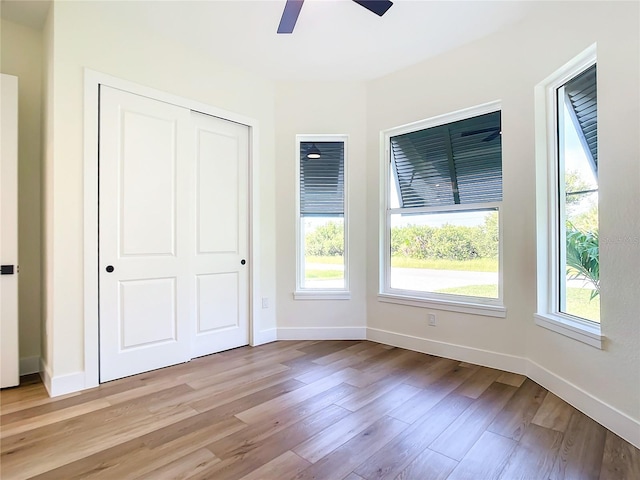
(265,302)
(432,319)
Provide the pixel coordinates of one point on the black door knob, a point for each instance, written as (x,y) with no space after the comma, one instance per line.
(110,268)
(243,261)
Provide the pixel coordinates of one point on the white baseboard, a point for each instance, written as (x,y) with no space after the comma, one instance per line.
(618,422)
(70,383)
(322,333)
(45,375)
(265,336)
(29,365)
(500,361)
(62,384)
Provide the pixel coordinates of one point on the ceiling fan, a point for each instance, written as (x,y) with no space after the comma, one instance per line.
(292,10)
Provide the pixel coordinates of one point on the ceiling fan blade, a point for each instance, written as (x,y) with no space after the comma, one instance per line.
(290,16)
(379,7)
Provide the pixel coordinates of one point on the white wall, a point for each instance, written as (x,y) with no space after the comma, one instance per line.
(98,35)
(507,66)
(22,56)
(320,108)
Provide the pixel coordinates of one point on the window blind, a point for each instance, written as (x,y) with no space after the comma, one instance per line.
(322,180)
(582,99)
(456,163)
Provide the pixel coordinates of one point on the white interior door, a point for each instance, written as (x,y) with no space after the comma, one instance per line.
(9,350)
(145,151)
(220,206)
(173,229)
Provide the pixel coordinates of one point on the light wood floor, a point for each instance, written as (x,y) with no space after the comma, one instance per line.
(309,410)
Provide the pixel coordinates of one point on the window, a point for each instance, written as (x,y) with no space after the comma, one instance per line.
(322,227)
(578,259)
(567,157)
(443,189)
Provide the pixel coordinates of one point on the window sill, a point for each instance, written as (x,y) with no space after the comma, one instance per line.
(322,295)
(449,305)
(589,334)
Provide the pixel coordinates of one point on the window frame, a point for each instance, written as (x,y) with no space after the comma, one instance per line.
(485,306)
(549,217)
(302,293)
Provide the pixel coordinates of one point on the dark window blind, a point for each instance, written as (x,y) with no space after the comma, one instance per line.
(582,99)
(456,163)
(322,180)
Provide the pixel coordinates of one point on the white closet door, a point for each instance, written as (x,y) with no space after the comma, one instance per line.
(173,234)
(9,363)
(221,235)
(145,155)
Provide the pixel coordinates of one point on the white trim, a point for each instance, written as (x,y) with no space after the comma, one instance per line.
(547,207)
(467,207)
(571,328)
(321,295)
(311,293)
(573,67)
(92,80)
(29,365)
(456,303)
(618,422)
(264,336)
(487,358)
(64,384)
(45,375)
(451,117)
(610,417)
(461,306)
(384,240)
(255,289)
(322,333)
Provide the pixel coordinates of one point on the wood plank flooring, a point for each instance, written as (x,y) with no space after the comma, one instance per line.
(353,410)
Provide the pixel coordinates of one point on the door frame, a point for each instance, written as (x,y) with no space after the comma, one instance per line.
(92,82)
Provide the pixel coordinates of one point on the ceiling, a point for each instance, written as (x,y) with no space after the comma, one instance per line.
(332,40)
